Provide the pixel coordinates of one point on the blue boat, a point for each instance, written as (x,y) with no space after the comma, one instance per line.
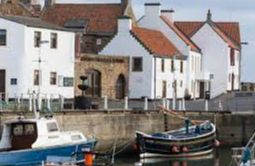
(31,141)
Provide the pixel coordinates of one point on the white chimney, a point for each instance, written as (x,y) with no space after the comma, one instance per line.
(124,24)
(152,9)
(169,14)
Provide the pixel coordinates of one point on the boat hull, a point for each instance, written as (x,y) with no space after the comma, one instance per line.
(157,147)
(37,156)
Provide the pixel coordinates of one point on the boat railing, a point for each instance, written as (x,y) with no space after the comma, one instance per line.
(238,155)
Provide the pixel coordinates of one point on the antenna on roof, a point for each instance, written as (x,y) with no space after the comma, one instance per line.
(209,15)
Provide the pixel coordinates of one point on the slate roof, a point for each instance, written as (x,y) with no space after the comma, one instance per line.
(33,22)
(102,18)
(155,42)
(228,31)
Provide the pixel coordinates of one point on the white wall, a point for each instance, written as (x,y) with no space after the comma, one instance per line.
(12,54)
(169,77)
(235,70)
(215,55)
(19,58)
(152,20)
(140,83)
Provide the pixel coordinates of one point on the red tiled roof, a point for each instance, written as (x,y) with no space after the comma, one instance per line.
(189,28)
(185,38)
(231,29)
(101,17)
(155,42)
(228,31)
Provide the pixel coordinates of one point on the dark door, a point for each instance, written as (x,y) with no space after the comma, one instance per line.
(2,84)
(201,90)
(163,89)
(233,82)
(94,79)
(23,135)
(120,87)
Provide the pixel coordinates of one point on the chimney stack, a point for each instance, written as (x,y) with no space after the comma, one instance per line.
(124,24)
(169,14)
(152,9)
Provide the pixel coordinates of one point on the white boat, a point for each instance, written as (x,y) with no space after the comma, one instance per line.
(30,141)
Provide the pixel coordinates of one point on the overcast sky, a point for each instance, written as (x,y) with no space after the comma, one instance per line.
(242,11)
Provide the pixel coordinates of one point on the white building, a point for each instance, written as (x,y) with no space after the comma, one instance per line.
(221,47)
(163,20)
(155,63)
(24,42)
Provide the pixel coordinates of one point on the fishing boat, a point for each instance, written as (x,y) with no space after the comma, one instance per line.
(189,141)
(29,141)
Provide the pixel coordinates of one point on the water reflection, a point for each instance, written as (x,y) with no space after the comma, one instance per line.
(221,157)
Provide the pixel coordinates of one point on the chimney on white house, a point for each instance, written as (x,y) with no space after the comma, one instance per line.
(124,24)
(152,9)
(169,14)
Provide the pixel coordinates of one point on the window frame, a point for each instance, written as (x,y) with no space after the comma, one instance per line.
(53,80)
(134,64)
(36,79)
(181,66)
(4,42)
(232,57)
(37,39)
(53,40)
(162,65)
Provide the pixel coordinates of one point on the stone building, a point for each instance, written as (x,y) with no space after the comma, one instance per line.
(107,76)
(13,7)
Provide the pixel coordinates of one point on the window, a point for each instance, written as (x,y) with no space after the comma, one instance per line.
(14,81)
(137,64)
(52,127)
(53,40)
(181,66)
(164,89)
(172,65)
(2,37)
(99,41)
(162,65)
(68,81)
(37,39)
(232,57)
(53,78)
(36,77)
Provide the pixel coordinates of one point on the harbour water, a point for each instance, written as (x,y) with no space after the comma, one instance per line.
(220,157)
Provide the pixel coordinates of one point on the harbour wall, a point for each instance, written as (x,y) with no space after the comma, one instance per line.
(118,127)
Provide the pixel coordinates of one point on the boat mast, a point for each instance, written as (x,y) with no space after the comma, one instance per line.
(38,106)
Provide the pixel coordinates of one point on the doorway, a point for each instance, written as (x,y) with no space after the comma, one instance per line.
(94,82)
(202,90)
(120,87)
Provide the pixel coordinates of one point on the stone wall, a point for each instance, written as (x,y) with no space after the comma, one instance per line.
(110,68)
(232,129)
(89,43)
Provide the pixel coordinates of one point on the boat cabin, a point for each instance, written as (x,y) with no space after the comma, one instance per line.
(23,133)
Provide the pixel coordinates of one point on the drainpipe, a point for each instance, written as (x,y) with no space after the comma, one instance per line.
(155,80)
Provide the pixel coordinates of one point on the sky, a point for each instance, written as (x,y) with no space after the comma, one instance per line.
(242,11)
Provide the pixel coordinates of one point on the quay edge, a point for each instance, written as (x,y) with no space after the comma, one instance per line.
(109,126)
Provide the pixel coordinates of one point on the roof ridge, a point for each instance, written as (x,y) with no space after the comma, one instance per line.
(182,33)
(228,36)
